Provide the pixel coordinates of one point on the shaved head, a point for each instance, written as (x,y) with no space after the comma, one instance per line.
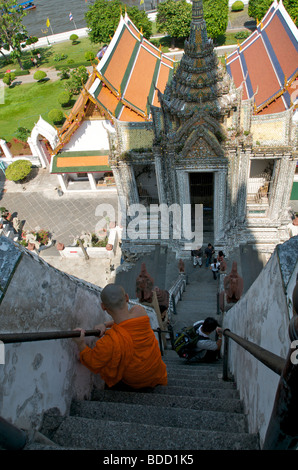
(113,297)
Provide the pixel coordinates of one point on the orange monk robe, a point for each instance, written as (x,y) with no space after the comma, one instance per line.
(129,352)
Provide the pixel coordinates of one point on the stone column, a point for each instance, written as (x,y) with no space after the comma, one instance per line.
(219,203)
(5,149)
(242,185)
(160,180)
(61,179)
(122,197)
(37,150)
(92,181)
(281,185)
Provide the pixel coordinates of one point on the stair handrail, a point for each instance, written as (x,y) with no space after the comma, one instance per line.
(271,360)
(175,292)
(9,338)
(282,429)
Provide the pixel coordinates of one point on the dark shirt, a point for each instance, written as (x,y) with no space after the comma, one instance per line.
(209,252)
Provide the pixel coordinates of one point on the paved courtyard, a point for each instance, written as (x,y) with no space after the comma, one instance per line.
(37,204)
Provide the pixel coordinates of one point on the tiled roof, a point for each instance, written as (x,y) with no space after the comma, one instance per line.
(266,63)
(132,69)
(76,162)
(125,82)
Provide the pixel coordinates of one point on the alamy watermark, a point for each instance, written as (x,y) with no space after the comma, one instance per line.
(158,221)
(294,355)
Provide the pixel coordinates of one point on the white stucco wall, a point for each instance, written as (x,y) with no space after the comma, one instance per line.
(262,316)
(91,135)
(38,376)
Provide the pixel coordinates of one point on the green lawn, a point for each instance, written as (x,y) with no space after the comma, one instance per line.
(25,103)
(75,53)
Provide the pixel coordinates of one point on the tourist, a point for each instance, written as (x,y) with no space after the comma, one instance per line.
(127,351)
(214,268)
(206,349)
(197,256)
(209,251)
(220,256)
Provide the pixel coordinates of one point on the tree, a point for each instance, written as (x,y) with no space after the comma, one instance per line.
(141,20)
(258,8)
(103,17)
(77,78)
(174,18)
(216,17)
(13,34)
(9,78)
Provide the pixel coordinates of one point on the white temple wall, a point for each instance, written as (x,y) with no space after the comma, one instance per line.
(91,135)
(262,316)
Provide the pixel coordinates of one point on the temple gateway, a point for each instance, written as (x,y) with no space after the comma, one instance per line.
(191,134)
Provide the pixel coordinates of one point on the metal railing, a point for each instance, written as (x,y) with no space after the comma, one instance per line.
(282,433)
(176,291)
(9,338)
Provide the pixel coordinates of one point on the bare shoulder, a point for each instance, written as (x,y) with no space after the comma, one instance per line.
(137,311)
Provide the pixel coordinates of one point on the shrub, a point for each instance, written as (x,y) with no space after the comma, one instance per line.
(89,55)
(74,38)
(39,75)
(58,57)
(238,6)
(64,98)
(18,170)
(22,133)
(9,78)
(64,74)
(242,35)
(56,116)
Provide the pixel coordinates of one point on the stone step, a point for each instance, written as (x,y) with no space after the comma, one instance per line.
(214,392)
(104,434)
(231,405)
(210,376)
(199,382)
(193,367)
(166,416)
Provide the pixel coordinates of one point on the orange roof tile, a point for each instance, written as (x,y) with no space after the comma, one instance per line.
(267,60)
(132,67)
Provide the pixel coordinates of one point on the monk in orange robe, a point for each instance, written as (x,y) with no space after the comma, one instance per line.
(127,350)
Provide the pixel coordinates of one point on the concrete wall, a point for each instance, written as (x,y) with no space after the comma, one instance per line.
(262,316)
(36,297)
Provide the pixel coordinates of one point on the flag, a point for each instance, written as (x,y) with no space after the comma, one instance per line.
(48,22)
(71,17)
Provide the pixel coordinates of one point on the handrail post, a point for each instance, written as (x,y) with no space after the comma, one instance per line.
(282,430)
(226,356)
(160,340)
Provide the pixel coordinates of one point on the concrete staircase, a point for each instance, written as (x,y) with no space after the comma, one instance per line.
(196,411)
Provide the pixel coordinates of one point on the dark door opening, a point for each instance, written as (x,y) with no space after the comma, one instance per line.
(201,192)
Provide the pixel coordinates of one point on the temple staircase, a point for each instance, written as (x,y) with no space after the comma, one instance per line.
(197,410)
